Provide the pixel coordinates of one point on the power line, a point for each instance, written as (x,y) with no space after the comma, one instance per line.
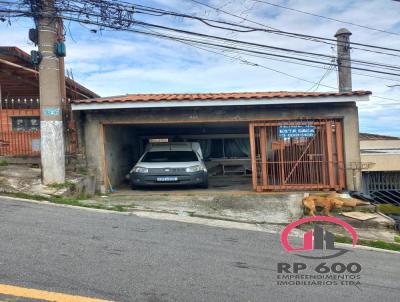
(248,28)
(247,51)
(124,20)
(327,18)
(120,23)
(289,34)
(254,44)
(244,61)
(380,65)
(237,41)
(121,9)
(195,42)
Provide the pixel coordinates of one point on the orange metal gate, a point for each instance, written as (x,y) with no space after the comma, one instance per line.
(20,127)
(297,155)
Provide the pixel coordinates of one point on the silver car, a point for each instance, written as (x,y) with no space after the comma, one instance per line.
(170,164)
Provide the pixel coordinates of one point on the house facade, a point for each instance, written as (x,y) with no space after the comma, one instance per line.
(380,155)
(284,141)
(19,105)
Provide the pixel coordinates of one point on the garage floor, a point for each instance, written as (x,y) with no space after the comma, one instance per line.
(229,183)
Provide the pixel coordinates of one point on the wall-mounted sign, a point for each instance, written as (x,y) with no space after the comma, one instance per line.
(51,111)
(296,131)
(36,144)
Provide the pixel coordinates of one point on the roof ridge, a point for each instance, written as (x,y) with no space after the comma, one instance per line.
(158,97)
(373,136)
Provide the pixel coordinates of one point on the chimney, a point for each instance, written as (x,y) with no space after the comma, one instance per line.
(344,60)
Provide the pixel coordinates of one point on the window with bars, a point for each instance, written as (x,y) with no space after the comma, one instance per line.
(25,123)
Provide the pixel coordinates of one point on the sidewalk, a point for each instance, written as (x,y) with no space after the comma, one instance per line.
(242,206)
(271,210)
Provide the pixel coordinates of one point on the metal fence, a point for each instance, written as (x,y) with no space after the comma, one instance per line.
(20,127)
(383,187)
(297,155)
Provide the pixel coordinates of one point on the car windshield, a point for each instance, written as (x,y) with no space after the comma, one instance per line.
(169,156)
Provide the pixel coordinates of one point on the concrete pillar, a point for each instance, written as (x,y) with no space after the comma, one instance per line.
(352,149)
(344,60)
(51,124)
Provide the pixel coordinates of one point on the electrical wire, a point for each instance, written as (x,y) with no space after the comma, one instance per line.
(288,34)
(120,22)
(244,61)
(327,18)
(120,8)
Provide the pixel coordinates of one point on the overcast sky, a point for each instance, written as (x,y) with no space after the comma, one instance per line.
(115,63)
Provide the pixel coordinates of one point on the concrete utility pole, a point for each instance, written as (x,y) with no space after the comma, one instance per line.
(344,60)
(51,124)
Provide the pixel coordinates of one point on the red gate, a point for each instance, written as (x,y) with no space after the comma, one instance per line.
(297,155)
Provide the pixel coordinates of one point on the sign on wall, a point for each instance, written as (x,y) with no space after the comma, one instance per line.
(36,144)
(296,131)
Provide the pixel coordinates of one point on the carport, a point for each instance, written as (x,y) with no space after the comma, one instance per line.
(225,147)
(264,141)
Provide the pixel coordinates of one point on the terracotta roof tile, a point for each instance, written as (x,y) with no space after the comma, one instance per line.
(216,96)
(370,137)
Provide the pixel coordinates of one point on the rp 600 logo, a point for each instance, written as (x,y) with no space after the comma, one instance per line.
(317,239)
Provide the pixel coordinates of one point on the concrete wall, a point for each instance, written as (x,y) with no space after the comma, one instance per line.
(120,151)
(92,124)
(381,161)
(380,144)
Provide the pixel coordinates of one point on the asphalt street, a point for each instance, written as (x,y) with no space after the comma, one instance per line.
(128,258)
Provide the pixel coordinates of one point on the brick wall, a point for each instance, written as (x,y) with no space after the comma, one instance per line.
(17,143)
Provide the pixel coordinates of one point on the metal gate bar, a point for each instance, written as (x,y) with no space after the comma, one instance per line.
(297,155)
(383,187)
(20,127)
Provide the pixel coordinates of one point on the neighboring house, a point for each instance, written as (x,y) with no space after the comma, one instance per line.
(380,155)
(285,140)
(19,105)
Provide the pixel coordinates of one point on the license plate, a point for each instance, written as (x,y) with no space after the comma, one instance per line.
(167,179)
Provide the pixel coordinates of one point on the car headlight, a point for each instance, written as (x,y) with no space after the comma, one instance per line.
(140,170)
(194,169)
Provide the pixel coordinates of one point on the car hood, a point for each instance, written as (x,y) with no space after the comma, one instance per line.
(168,165)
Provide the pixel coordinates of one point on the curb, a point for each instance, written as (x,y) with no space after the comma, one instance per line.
(367,248)
(45,202)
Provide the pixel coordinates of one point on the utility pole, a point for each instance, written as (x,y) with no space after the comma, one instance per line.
(51,123)
(344,60)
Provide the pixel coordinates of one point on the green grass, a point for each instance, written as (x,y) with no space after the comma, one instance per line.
(77,202)
(397,239)
(389,209)
(372,243)
(64,185)
(118,208)
(3,163)
(82,171)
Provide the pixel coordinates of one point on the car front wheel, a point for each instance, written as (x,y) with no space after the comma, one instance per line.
(204,184)
(133,187)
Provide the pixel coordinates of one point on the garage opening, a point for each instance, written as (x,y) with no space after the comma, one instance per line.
(225,148)
(286,155)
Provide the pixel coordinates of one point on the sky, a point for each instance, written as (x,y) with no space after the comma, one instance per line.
(117,63)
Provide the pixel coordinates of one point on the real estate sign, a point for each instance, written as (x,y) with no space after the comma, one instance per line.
(296,131)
